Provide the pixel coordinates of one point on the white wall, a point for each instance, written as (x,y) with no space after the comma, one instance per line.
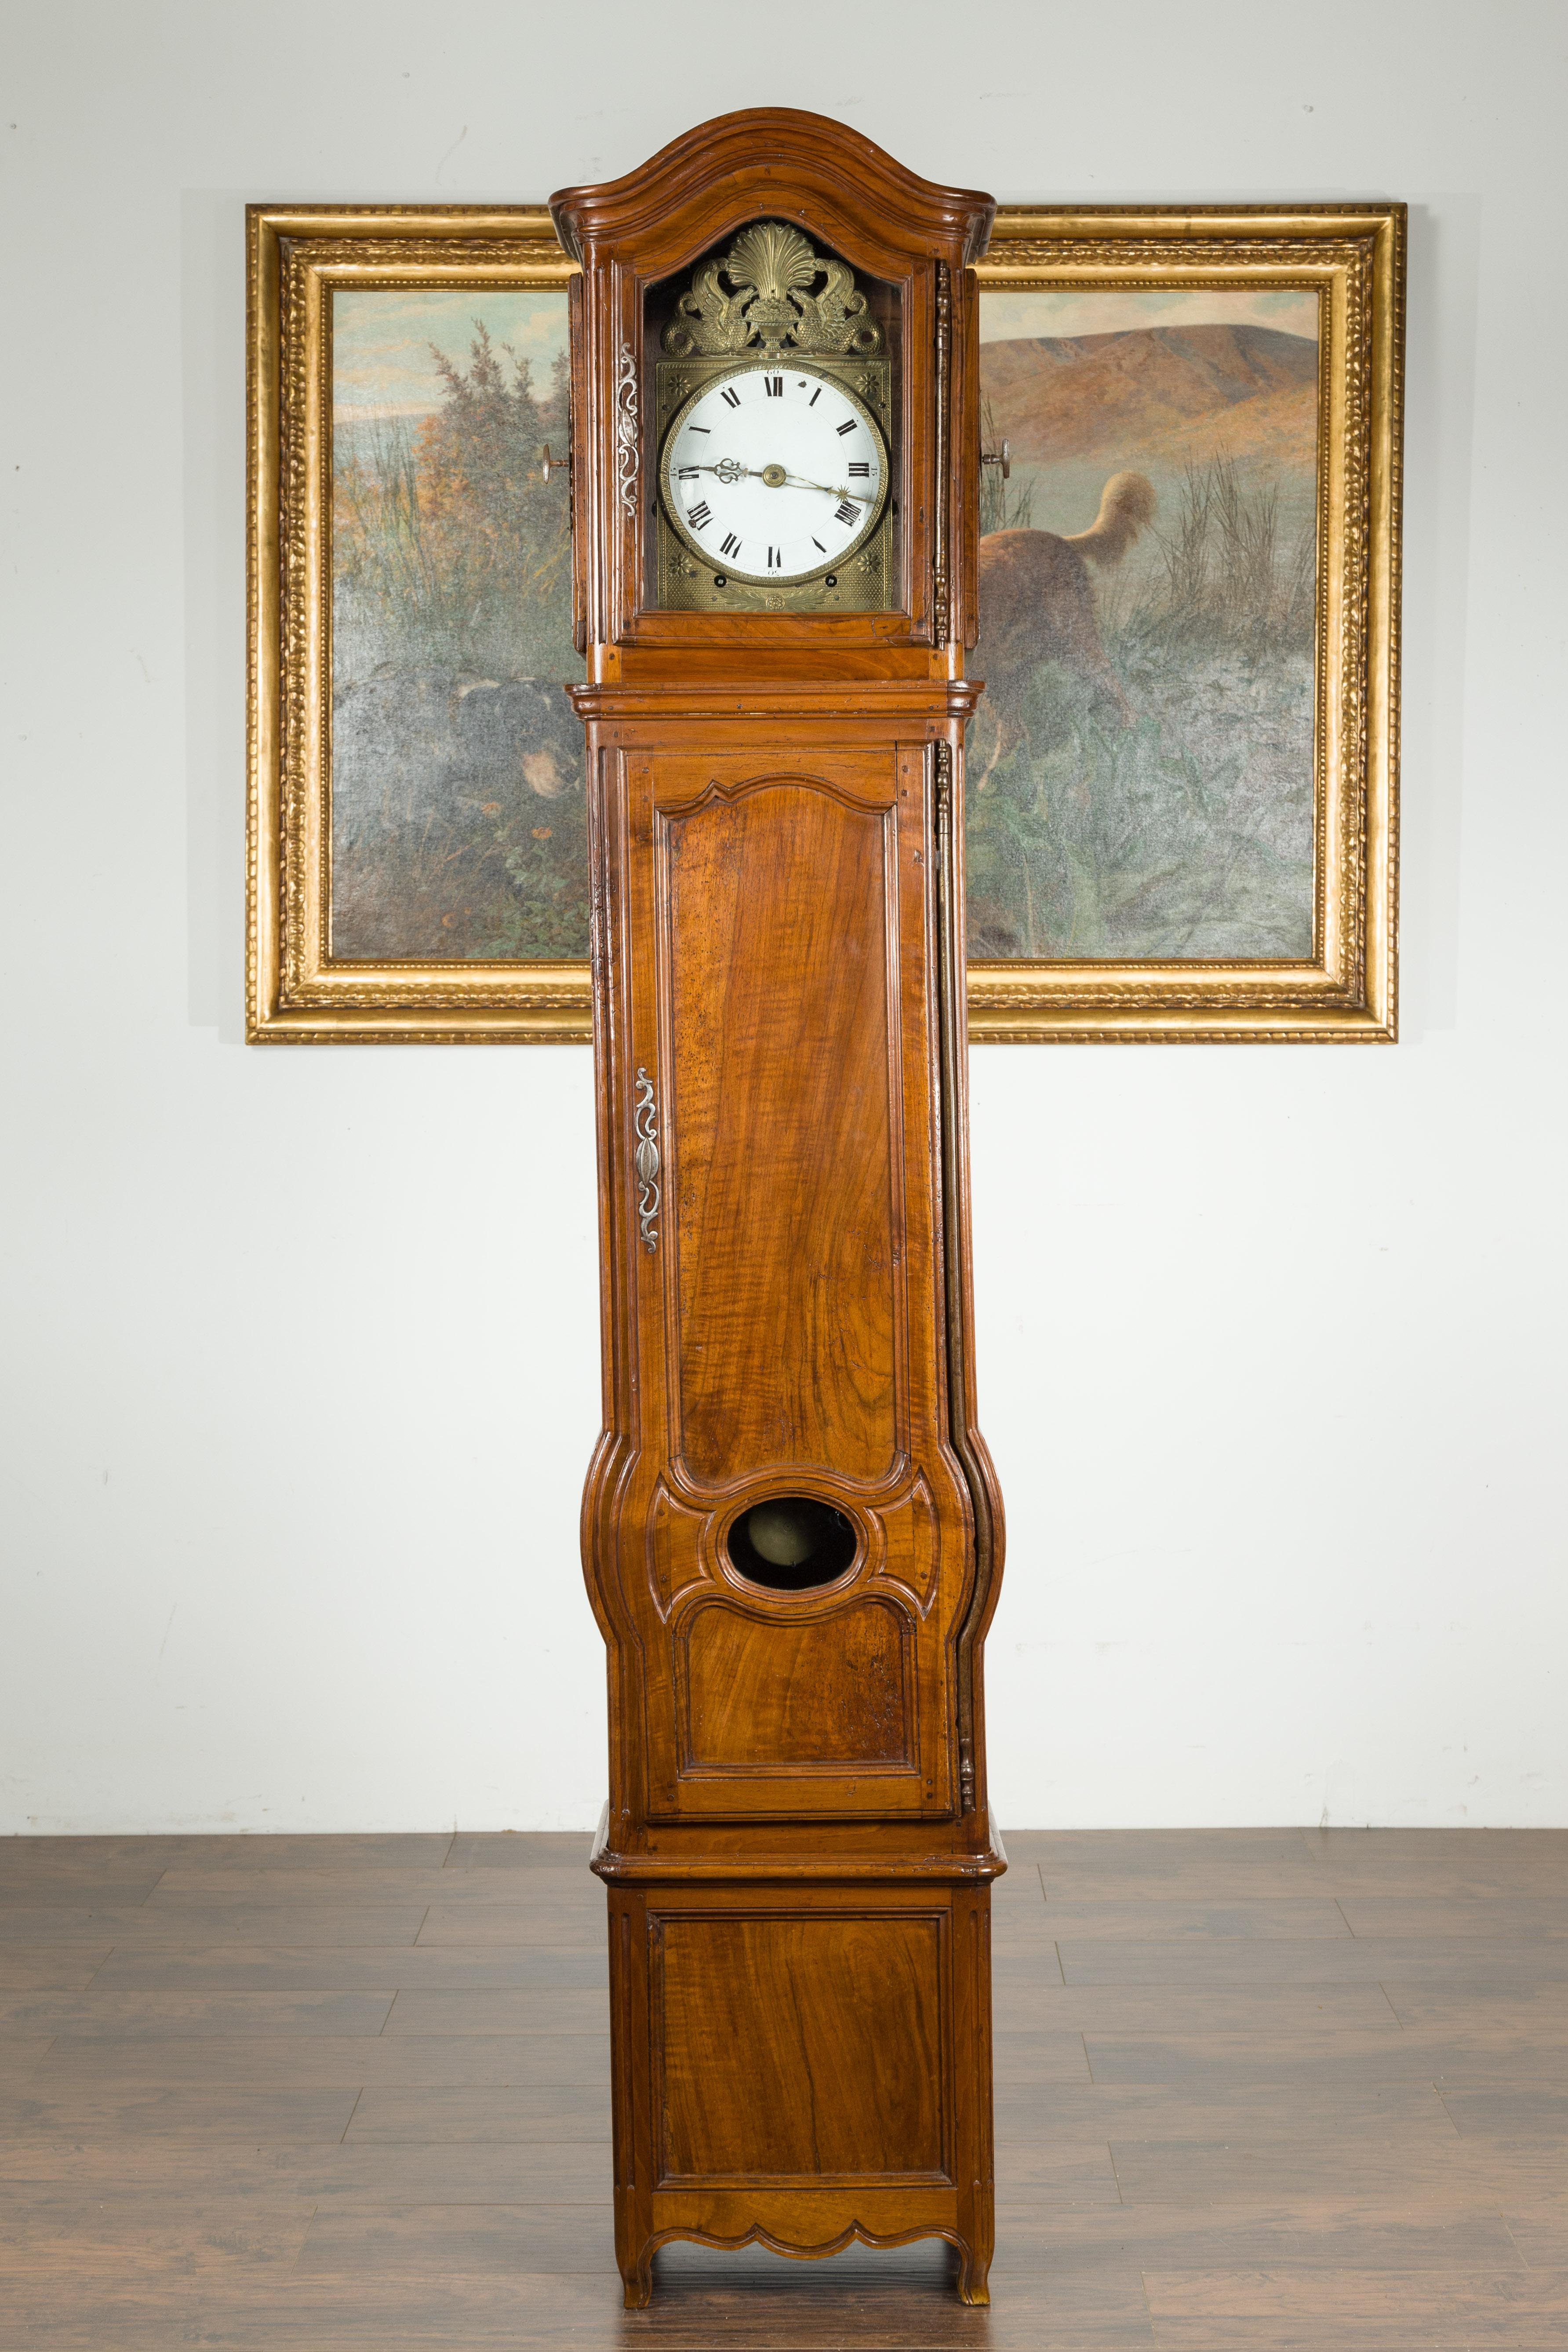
(301,1356)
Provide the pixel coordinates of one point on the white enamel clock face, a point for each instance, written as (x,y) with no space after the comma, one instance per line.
(773,473)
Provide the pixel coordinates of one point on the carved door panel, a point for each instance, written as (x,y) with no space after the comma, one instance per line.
(790,1317)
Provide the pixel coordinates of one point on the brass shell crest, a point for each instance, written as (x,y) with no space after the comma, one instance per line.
(772,297)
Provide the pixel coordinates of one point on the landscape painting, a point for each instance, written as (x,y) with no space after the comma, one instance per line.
(1140,779)
(1181,779)
(458,821)
(1141,783)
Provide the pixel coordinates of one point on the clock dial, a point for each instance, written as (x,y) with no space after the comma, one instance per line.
(773,473)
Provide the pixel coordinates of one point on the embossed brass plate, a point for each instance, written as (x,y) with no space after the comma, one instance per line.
(764,299)
(687,584)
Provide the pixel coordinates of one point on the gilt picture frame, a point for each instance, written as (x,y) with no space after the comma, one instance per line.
(1182,788)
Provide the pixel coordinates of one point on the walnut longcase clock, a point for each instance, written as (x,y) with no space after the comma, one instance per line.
(792,1535)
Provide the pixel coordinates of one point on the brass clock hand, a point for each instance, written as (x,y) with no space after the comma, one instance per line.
(799,482)
(729,470)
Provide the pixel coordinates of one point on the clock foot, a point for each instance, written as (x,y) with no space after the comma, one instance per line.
(638,2285)
(971,2285)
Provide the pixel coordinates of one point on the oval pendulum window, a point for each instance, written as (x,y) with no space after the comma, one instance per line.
(791,1543)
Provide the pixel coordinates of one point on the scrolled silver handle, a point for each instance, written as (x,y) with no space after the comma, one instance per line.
(644,1119)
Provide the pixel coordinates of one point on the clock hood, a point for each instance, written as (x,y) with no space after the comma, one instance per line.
(768,160)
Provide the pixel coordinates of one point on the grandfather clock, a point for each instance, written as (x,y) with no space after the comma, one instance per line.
(791,1533)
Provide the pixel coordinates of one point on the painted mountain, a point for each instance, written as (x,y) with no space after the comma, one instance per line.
(1157,397)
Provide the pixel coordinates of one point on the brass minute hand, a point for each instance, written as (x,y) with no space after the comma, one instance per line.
(729,470)
(799,482)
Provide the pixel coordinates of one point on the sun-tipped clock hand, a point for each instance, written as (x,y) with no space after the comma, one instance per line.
(799,482)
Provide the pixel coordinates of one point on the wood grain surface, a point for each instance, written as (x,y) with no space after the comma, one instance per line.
(305,2143)
(786,1307)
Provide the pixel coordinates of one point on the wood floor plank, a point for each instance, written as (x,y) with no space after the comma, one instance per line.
(1322,1960)
(1453,1865)
(1098,1866)
(320,1967)
(493,1921)
(1163,1920)
(1043,2058)
(1250,2167)
(108,2014)
(556,1894)
(499,2010)
(438,2112)
(136,2111)
(1165,2009)
(1482,2015)
(256,1850)
(1042,2170)
(1522,2109)
(1539,2227)
(552,1850)
(1385,2055)
(548,2117)
(57,2239)
(371,2170)
(283,2061)
(1511,1918)
(20,2058)
(1321,2233)
(574,2241)
(1294,2112)
(48,1967)
(103,1855)
(42,1886)
(1355,2308)
(148,1927)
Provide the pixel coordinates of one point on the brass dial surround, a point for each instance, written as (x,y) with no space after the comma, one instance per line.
(775,475)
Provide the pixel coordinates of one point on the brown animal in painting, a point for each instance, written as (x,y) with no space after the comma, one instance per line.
(1036,605)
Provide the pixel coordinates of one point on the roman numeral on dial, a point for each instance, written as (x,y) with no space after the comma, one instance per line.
(774,386)
(775,561)
(731,544)
(731,395)
(846,512)
(849,425)
(859,468)
(689,473)
(700,514)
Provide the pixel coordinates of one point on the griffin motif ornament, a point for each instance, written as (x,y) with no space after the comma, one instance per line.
(771,298)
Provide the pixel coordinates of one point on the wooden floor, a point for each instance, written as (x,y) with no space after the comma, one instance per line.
(1254,2089)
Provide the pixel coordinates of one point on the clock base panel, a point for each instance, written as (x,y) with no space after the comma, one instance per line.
(801,2064)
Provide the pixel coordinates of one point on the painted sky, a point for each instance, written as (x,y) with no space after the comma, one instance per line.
(382,337)
(1114,310)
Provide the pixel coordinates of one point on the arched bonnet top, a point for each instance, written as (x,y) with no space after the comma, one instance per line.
(776,161)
